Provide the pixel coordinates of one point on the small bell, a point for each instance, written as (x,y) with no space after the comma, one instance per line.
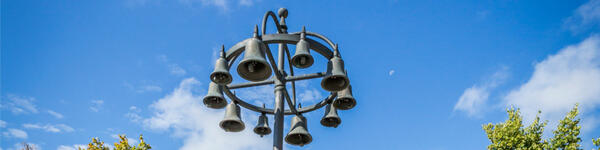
(262,128)
(214,98)
(221,73)
(345,100)
(302,57)
(298,134)
(254,66)
(336,79)
(331,118)
(232,121)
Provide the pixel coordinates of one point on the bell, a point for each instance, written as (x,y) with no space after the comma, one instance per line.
(232,121)
(214,98)
(298,134)
(345,100)
(331,118)
(302,57)
(262,128)
(221,73)
(254,66)
(336,79)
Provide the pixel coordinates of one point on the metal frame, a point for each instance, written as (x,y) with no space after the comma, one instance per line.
(282,38)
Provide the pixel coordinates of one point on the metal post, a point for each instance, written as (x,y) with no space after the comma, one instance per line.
(279,103)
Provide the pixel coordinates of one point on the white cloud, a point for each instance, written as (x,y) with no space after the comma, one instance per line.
(474,99)
(391,72)
(150,88)
(585,16)
(133,114)
(55,114)
(310,96)
(72,147)
(560,81)
(183,113)
(21,105)
(20,146)
(174,68)
(17,133)
(50,128)
(2,124)
(222,4)
(96,105)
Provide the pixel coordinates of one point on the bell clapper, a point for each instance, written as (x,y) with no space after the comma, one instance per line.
(251,66)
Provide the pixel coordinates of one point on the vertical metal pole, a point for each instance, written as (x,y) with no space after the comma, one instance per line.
(279,103)
(279,97)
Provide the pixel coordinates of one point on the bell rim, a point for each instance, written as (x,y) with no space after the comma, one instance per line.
(310,62)
(236,129)
(339,121)
(205,99)
(338,106)
(229,78)
(308,135)
(335,89)
(267,133)
(266,75)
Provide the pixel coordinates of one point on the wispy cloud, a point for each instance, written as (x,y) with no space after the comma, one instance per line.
(391,72)
(96,105)
(2,124)
(16,133)
(55,114)
(71,147)
(183,113)
(20,105)
(50,128)
(133,114)
(585,16)
(174,68)
(560,81)
(475,99)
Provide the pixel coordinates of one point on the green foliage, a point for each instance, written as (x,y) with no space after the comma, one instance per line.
(566,136)
(510,134)
(123,144)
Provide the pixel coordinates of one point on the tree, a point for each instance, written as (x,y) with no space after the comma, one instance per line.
(123,144)
(566,136)
(510,134)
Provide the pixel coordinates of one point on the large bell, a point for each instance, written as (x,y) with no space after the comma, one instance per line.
(214,98)
(232,121)
(302,57)
(345,100)
(331,118)
(298,134)
(221,73)
(336,79)
(254,66)
(262,128)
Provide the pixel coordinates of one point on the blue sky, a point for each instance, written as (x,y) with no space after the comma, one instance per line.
(426,74)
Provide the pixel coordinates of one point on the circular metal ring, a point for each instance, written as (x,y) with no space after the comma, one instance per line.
(237,50)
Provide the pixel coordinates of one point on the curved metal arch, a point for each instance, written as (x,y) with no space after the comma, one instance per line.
(238,48)
(322,37)
(307,109)
(264,22)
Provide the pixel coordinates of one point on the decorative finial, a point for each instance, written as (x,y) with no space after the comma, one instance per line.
(222,51)
(255,31)
(303,33)
(336,53)
(282,12)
